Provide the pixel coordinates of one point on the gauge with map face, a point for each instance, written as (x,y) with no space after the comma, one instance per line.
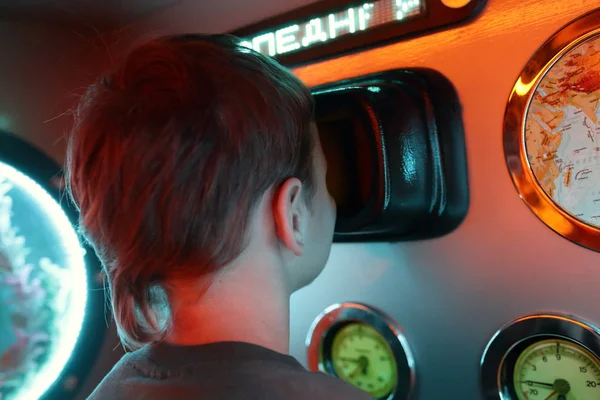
(552,132)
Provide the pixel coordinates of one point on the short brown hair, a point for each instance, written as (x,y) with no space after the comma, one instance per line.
(169,154)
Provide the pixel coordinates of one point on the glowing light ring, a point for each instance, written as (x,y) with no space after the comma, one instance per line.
(73,282)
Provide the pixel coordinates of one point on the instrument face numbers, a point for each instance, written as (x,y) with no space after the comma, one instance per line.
(557,369)
(363,358)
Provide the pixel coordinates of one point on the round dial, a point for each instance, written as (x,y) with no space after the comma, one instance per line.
(557,370)
(562,129)
(362,357)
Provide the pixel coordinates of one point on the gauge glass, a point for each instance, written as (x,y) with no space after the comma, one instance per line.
(562,132)
(363,358)
(557,370)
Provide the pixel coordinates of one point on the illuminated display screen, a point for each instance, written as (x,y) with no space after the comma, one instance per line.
(46,277)
(320,29)
(51,300)
(331,27)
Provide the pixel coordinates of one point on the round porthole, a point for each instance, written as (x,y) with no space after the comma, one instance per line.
(551,131)
(51,299)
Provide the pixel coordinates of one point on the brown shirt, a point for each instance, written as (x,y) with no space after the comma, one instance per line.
(227,370)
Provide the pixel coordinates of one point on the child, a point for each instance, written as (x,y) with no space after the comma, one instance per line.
(200,179)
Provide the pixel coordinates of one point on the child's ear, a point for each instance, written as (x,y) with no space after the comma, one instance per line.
(289,213)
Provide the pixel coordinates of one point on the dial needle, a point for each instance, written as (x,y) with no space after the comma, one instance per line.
(538,383)
(551,394)
(355,370)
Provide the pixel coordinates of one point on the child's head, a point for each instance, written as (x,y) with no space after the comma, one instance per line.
(173,152)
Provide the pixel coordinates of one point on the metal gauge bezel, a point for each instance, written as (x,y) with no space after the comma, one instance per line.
(507,344)
(545,208)
(333,318)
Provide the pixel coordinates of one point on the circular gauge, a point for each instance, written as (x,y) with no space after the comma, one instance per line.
(363,347)
(48,281)
(549,357)
(552,132)
(362,357)
(556,368)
